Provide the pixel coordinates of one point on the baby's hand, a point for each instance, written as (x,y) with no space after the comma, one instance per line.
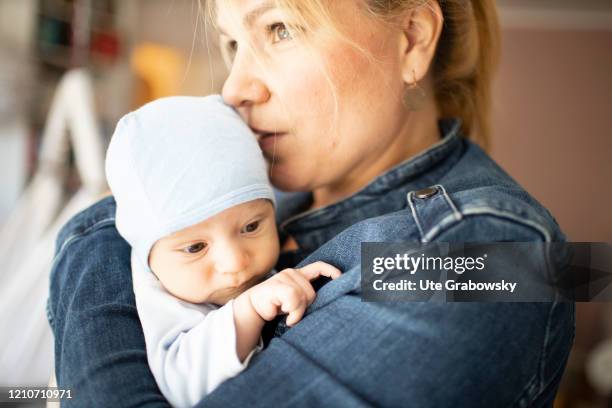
(289,291)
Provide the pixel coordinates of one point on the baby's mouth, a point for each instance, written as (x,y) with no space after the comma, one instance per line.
(243,285)
(254,280)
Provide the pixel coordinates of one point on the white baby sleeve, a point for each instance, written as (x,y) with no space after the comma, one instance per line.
(191,349)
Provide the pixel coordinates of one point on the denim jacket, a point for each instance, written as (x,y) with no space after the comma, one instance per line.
(452,192)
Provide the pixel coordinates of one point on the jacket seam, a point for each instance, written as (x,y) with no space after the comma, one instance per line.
(526,392)
(414,215)
(544,346)
(537,379)
(450,202)
(99,224)
(543,384)
(447,222)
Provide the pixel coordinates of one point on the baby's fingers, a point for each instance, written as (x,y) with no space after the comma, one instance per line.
(296,315)
(316,269)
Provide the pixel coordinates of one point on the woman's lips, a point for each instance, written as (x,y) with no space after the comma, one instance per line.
(268,141)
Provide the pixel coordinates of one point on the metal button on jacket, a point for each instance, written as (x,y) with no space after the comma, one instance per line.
(426,192)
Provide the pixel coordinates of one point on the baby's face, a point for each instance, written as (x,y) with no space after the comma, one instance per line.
(216,260)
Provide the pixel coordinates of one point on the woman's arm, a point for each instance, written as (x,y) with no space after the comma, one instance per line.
(99,344)
(349,352)
(344,352)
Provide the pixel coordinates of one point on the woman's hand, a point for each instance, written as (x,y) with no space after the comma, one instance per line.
(289,292)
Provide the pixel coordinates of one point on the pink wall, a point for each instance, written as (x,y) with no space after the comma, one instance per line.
(553,124)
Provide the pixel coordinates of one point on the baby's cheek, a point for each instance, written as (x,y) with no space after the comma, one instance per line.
(186,285)
(274,251)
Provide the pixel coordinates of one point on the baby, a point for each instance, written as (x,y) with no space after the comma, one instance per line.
(195,204)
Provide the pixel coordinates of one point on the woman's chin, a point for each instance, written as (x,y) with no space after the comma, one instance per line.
(282,180)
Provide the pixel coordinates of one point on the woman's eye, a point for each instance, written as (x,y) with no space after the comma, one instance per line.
(279,32)
(195,248)
(228,52)
(231,47)
(252,227)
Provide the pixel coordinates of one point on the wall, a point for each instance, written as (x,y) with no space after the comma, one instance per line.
(553,123)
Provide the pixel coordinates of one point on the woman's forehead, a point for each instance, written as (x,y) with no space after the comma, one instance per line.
(245,13)
(241,12)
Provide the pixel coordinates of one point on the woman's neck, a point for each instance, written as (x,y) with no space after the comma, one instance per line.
(418,133)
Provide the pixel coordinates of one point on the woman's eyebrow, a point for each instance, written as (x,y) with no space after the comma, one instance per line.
(249,18)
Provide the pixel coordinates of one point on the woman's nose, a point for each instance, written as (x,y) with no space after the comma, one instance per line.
(243,87)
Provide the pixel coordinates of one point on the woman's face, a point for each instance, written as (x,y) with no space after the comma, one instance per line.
(325,113)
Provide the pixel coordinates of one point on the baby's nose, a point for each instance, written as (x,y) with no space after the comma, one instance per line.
(232,260)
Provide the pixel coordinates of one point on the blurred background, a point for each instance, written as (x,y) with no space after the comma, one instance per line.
(552,132)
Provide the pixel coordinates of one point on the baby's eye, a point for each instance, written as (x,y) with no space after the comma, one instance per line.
(252,227)
(195,248)
(279,32)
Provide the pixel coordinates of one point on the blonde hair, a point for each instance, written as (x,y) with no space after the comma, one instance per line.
(465,64)
(466,56)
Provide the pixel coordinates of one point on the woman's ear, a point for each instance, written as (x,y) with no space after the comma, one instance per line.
(421,28)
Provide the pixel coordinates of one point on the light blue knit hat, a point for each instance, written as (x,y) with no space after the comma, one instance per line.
(177,161)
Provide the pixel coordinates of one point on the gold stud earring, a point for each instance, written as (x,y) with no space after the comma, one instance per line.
(414,95)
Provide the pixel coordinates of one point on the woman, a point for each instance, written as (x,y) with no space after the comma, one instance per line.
(363,109)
